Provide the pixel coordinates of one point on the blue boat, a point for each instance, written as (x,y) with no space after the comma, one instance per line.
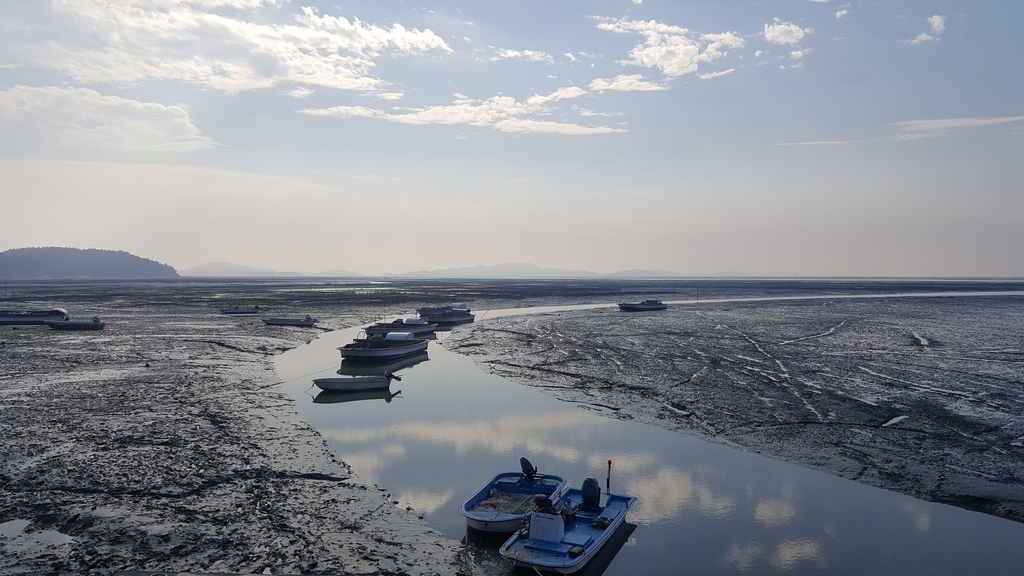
(564,537)
(506,499)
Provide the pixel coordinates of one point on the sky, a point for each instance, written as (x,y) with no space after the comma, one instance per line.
(769,138)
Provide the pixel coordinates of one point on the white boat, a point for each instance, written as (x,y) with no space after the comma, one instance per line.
(502,503)
(566,536)
(450,314)
(390,347)
(19,317)
(417,326)
(354,383)
(644,306)
(93,324)
(301,322)
(434,310)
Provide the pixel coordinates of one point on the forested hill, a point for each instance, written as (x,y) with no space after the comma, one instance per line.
(59,263)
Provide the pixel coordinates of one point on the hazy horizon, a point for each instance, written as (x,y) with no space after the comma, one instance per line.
(801,138)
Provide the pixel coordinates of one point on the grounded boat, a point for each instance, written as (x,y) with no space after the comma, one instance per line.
(565,536)
(20,317)
(301,322)
(644,306)
(417,326)
(434,311)
(241,310)
(508,497)
(354,383)
(93,324)
(392,346)
(379,367)
(327,397)
(450,314)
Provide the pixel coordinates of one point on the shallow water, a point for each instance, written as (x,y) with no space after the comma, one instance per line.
(703,508)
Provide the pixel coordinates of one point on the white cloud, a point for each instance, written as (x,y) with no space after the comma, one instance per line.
(570,56)
(389,95)
(842,13)
(522,55)
(84,118)
(797,54)
(673,50)
(300,92)
(938,26)
(711,75)
(625,83)
(503,113)
(785,33)
(196,41)
(927,128)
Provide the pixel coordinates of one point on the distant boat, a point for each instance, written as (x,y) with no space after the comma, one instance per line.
(93,324)
(434,310)
(392,346)
(450,314)
(508,497)
(301,322)
(566,536)
(354,383)
(327,397)
(364,367)
(20,317)
(417,326)
(241,310)
(644,306)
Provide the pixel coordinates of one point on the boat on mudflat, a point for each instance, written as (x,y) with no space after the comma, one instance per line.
(417,326)
(93,324)
(301,322)
(241,310)
(564,537)
(644,306)
(20,317)
(364,367)
(500,505)
(436,310)
(354,383)
(391,346)
(450,314)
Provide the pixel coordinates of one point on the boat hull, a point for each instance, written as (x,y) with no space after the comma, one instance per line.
(449,319)
(583,533)
(353,383)
(387,328)
(75,325)
(376,352)
(641,307)
(380,367)
(506,514)
(28,317)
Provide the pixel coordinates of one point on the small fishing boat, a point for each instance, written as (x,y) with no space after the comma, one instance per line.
(570,532)
(449,316)
(353,383)
(391,346)
(301,322)
(417,326)
(644,306)
(505,499)
(434,310)
(241,310)
(365,367)
(328,397)
(21,317)
(93,324)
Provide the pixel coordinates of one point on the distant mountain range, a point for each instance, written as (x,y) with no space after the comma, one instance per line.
(526,270)
(229,270)
(74,263)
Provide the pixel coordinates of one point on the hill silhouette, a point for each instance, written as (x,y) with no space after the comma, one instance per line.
(70,263)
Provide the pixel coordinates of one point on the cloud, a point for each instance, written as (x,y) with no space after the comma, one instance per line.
(920,129)
(842,13)
(300,92)
(522,55)
(673,50)
(84,118)
(785,33)
(625,83)
(200,42)
(502,113)
(797,54)
(389,95)
(711,75)
(938,26)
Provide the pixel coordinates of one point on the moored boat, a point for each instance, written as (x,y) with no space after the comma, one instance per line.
(364,367)
(447,316)
(416,326)
(392,346)
(353,383)
(564,537)
(500,505)
(93,324)
(644,306)
(301,322)
(435,310)
(20,317)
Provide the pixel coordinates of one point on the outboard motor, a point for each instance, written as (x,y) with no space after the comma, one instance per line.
(529,470)
(591,495)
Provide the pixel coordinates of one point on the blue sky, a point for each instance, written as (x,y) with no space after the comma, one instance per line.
(788,137)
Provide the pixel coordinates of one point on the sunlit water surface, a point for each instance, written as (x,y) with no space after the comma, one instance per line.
(702,509)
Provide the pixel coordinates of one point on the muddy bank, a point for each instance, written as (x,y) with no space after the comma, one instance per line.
(920,396)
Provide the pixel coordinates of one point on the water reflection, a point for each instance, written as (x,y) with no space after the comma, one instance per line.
(363,367)
(331,397)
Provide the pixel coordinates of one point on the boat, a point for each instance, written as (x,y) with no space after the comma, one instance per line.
(434,310)
(241,310)
(329,397)
(391,346)
(450,314)
(21,317)
(417,326)
(301,322)
(502,503)
(570,532)
(365,367)
(353,383)
(644,306)
(93,324)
